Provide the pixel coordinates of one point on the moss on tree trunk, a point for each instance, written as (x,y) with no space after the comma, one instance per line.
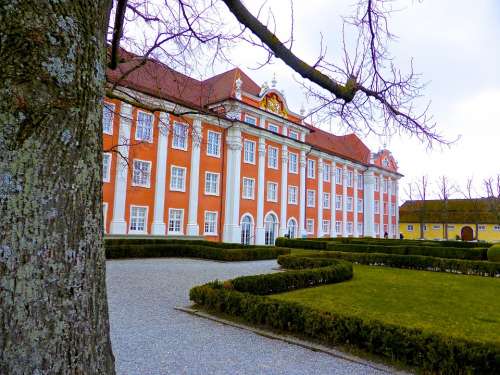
(53,316)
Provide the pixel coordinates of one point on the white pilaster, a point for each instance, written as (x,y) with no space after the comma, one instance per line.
(320,198)
(369,202)
(159,227)
(302,202)
(355,204)
(344,201)
(381,206)
(118,224)
(284,189)
(333,194)
(389,204)
(396,193)
(232,229)
(259,229)
(193,228)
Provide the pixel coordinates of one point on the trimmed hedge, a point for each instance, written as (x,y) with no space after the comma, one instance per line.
(182,249)
(393,241)
(430,352)
(413,262)
(494,253)
(302,244)
(433,251)
(114,242)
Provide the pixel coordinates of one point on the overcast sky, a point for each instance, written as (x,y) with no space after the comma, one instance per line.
(455,44)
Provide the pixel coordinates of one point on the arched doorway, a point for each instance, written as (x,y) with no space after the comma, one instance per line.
(270,227)
(246,229)
(291,228)
(467,233)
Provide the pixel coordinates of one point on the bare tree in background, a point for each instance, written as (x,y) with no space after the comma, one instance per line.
(492,189)
(445,189)
(421,187)
(54,316)
(475,203)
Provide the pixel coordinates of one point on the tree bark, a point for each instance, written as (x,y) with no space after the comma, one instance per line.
(54,315)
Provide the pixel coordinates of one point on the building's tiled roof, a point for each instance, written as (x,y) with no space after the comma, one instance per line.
(481,210)
(156,79)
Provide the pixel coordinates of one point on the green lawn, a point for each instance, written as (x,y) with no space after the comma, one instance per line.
(455,305)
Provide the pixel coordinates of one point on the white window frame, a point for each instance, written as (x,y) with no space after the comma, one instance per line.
(175,136)
(360,181)
(377,206)
(360,229)
(338,176)
(338,202)
(313,195)
(326,172)
(310,223)
(326,226)
(436,226)
(271,126)
(350,178)
(247,116)
(216,193)
(136,135)
(293,187)
(377,228)
(409,228)
(481,227)
(268,191)
(350,204)
(294,136)
(293,167)
(496,228)
(451,226)
(243,196)
(254,145)
(218,136)
(130,230)
(106,170)
(311,171)
(269,165)
(350,228)
(214,232)
(148,183)
(385,185)
(338,227)
(326,200)
(377,183)
(181,227)
(174,188)
(111,107)
(360,205)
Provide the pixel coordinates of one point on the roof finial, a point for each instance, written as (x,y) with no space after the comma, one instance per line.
(264,88)
(302,110)
(238,83)
(274,82)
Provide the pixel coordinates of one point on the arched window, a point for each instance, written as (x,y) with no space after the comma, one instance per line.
(271,228)
(246,229)
(291,228)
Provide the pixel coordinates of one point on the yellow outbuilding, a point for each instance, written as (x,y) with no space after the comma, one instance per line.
(461,219)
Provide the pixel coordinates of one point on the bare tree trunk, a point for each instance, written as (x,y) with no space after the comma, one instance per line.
(53,316)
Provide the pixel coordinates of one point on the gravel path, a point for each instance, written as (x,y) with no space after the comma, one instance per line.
(150,337)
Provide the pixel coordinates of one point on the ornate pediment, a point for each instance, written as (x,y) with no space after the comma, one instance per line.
(273,103)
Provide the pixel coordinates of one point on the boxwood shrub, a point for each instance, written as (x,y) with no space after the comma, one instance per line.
(317,244)
(494,253)
(432,353)
(114,242)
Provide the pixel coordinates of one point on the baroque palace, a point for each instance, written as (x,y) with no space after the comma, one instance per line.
(227,159)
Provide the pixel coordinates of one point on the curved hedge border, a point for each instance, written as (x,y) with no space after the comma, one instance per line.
(181,249)
(412,262)
(394,241)
(430,352)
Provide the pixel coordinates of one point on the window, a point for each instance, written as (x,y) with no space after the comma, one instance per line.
(496,228)
(377,228)
(425,227)
(179,139)
(293,134)
(248,188)
(326,226)
(450,226)
(292,228)
(213,144)
(338,202)
(273,128)
(377,207)
(326,172)
(251,120)
(292,194)
(377,183)
(481,228)
(349,178)
(144,128)
(409,227)
(311,168)
(338,227)
(386,228)
(211,183)
(270,229)
(106,166)
(108,111)
(272,192)
(249,152)
(272,157)
(326,200)
(338,176)
(310,226)
(436,226)
(141,173)
(178,179)
(360,205)
(393,209)
(360,181)
(349,227)
(138,218)
(360,229)
(311,198)
(175,219)
(246,229)
(293,165)
(349,204)
(104,215)
(210,223)
(385,185)
(393,230)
